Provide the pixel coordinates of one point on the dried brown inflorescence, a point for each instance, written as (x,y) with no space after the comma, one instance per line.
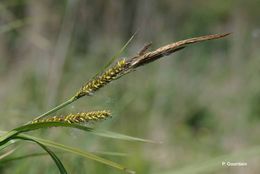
(82,117)
(125,66)
(166,50)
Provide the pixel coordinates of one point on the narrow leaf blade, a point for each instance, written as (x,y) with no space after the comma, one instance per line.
(103,133)
(52,154)
(79,152)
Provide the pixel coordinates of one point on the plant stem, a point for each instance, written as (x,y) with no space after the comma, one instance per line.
(7,135)
(56,108)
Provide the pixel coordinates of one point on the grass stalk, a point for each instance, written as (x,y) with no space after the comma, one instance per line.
(125,66)
(62,105)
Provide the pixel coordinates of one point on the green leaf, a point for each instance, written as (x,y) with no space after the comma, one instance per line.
(9,152)
(53,156)
(16,158)
(6,145)
(110,153)
(119,136)
(77,151)
(116,55)
(10,159)
(5,137)
(103,133)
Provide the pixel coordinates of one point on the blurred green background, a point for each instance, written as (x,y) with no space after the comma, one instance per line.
(202,102)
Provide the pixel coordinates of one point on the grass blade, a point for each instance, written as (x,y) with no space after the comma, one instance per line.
(6,136)
(116,55)
(110,153)
(52,154)
(11,159)
(78,152)
(22,157)
(103,133)
(114,135)
(6,145)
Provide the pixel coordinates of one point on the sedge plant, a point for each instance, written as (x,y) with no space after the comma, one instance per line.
(111,72)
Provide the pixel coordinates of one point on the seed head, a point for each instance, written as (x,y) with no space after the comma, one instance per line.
(82,117)
(111,74)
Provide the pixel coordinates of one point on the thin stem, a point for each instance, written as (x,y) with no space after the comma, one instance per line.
(56,108)
(7,135)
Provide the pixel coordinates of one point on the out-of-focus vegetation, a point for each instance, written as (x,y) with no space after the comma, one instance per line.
(202,103)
